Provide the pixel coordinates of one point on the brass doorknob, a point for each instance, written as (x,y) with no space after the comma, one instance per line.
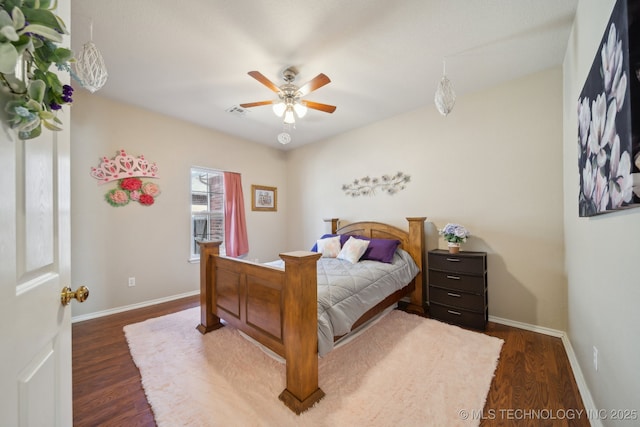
(81,294)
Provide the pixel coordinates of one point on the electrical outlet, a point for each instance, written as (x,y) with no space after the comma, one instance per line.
(595,357)
(132,281)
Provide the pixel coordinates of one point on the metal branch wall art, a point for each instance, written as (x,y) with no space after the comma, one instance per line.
(368,186)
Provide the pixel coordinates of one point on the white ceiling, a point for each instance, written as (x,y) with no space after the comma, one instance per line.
(189,59)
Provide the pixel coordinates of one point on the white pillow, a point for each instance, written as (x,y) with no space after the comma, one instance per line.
(329,247)
(353,249)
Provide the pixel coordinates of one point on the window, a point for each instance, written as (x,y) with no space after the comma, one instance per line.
(207,208)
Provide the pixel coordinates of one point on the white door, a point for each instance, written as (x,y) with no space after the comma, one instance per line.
(35,329)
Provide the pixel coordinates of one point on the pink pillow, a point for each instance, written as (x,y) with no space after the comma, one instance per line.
(329,247)
(353,249)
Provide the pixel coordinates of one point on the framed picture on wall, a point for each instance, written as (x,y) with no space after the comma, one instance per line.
(264,198)
(608,132)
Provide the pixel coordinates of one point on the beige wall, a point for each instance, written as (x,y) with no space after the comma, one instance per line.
(494,165)
(601,252)
(109,244)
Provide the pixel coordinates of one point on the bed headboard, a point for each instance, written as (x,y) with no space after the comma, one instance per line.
(411,241)
(374,230)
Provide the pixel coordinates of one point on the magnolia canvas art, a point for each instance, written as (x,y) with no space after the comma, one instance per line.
(609,160)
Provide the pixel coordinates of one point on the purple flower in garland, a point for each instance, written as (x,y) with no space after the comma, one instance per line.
(67,92)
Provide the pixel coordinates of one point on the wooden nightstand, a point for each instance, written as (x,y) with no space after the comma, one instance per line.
(458,288)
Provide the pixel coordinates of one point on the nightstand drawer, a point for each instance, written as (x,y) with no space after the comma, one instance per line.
(460,282)
(457,299)
(457,316)
(457,262)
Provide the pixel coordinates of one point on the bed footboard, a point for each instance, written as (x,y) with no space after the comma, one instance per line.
(279,307)
(276,307)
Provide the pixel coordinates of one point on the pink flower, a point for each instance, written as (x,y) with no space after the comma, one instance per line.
(151,189)
(146,199)
(117,197)
(130,184)
(135,195)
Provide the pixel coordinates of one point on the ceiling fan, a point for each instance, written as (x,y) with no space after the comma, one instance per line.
(290,96)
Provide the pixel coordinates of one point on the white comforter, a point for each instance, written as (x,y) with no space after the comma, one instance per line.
(346,291)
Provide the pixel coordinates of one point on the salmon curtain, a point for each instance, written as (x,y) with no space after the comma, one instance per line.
(235,224)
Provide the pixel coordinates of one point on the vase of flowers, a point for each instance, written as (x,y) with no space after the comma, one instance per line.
(454,235)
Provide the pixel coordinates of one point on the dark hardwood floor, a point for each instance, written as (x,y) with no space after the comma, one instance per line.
(533,383)
(106,382)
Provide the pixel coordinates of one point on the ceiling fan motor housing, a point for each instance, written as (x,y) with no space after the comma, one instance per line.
(289,74)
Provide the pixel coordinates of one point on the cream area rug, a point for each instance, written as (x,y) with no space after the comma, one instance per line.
(403,370)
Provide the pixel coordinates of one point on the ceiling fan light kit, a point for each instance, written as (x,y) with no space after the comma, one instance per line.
(279,109)
(288,116)
(290,104)
(445,97)
(300,110)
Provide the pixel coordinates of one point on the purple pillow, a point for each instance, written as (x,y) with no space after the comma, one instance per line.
(380,249)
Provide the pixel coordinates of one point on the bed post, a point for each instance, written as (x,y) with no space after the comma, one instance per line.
(416,250)
(208,320)
(334,224)
(300,330)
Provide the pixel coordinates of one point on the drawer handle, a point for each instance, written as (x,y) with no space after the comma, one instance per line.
(451,294)
(453,259)
(457,313)
(453,277)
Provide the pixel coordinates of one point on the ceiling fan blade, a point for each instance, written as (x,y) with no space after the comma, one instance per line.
(316,83)
(318,106)
(256,104)
(265,81)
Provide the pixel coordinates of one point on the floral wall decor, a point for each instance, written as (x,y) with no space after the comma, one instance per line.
(128,172)
(368,186)
(30,34)
(608,139)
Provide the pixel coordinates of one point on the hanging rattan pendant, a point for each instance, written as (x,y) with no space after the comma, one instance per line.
(445,97)
(90,66)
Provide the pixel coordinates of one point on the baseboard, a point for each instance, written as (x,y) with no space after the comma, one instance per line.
(103,313)
(585,394)
(528,327)
(587,399)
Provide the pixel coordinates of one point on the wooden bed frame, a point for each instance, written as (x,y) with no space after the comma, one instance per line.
(279,307)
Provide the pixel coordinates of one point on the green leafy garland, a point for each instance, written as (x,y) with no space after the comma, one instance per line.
(29,34)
